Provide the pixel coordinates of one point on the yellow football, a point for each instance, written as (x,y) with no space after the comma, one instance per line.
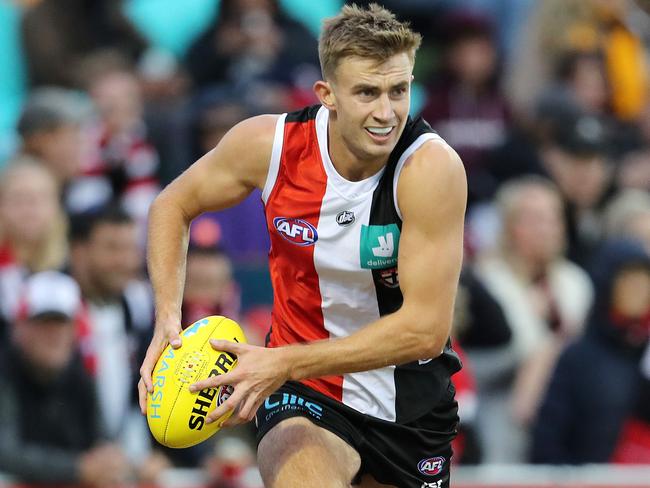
(175,415)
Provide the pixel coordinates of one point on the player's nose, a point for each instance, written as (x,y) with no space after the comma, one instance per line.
(384,109)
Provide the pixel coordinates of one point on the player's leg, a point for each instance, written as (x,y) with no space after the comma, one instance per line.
(296,453)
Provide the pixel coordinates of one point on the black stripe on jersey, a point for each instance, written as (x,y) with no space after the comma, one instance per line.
(418,386)
(303,115)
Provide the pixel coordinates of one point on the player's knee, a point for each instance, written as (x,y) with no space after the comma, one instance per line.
(294,452)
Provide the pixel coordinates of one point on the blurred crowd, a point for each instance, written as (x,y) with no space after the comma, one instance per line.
(547,103)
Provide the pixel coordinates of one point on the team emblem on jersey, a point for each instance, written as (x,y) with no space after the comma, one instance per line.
(389,277)
(379,246)
(296,231)
(431,466)
(345,218)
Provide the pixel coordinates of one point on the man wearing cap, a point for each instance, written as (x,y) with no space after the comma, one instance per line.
(577,161)
(48,412)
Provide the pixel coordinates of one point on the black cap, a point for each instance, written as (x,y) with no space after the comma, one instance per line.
(580,134)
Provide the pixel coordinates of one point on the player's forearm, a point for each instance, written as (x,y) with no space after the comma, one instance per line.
(168,237)
(393,339)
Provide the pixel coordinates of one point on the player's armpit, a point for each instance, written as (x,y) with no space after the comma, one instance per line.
(432,195)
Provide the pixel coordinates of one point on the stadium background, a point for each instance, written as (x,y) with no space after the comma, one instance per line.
(547,103)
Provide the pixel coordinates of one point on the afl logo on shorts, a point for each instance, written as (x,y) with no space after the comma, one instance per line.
(296,231)
(431,466)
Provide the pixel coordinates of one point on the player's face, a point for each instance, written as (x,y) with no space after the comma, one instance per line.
(371,103)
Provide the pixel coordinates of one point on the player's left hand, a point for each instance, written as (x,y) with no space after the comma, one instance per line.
(259,372)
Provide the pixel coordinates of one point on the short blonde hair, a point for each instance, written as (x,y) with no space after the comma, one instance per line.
(372,33)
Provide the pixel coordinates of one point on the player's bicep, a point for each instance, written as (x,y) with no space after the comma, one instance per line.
(228,173)
(432,193)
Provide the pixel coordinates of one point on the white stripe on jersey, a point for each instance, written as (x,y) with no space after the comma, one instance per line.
(276,154)
(407,154)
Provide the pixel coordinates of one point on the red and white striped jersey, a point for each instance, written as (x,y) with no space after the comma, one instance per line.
(333,262)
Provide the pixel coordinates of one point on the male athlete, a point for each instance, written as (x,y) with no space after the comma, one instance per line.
(354,386)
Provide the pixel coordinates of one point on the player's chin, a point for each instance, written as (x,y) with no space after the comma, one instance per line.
(379,150)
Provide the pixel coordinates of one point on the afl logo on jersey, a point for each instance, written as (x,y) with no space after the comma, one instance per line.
(296,231)
(431,466)
(345,218)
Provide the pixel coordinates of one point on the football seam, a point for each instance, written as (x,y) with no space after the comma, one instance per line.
(171,410)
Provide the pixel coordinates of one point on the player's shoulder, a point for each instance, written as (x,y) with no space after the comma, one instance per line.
(247,147)
(434,163)
(259,128)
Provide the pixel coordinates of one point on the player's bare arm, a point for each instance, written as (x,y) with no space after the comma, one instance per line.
(431,196)
(220,179)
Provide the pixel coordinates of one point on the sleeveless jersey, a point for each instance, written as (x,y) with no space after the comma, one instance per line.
(333,262)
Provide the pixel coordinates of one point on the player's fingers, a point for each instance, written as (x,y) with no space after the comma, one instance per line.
(147,367)
(211,382)
(225,407)
(174,338)
(142,396)
(244,413)
(227,346)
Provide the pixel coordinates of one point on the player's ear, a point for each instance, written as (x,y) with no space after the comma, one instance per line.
(325,94)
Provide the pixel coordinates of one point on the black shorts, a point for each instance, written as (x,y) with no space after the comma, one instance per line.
(414,454)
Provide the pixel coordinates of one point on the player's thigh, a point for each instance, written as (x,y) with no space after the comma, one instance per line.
(368,481)
(297,453)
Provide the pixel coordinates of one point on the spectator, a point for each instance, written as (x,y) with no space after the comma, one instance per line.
(32,230)
(545,299)
(633,446)
(252,41)
(59,34)
(50,128)
(239,231)
(479,321)
(628,215)
(576,160)
(48,413)
(582,415)
(209,286)
(118,313)
(122,165)
(558,26)
(466,107)
(581,76)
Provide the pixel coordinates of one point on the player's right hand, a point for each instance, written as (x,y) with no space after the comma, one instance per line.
(167,332)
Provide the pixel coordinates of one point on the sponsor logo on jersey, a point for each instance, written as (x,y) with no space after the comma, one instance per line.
(431,466)
(379,246)
(345,218)
(389,277)
(296,231)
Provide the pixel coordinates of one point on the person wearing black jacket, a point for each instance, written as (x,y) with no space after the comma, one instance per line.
(595,386)
(49,429)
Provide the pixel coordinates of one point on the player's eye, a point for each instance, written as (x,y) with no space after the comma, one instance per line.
(366,93)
